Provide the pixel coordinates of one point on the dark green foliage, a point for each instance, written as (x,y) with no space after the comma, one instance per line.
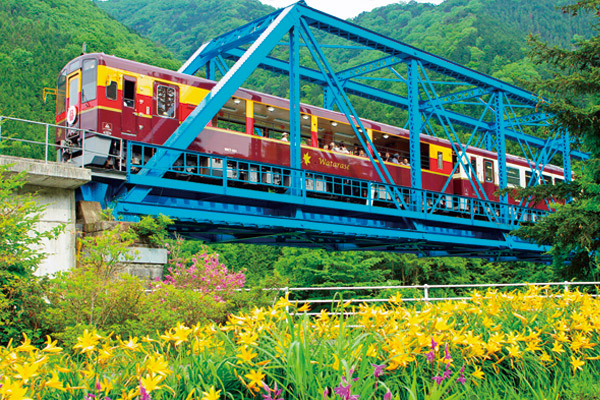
(22,308)
(296,267)
(574,229)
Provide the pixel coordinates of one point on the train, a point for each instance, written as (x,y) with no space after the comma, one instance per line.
(111,100)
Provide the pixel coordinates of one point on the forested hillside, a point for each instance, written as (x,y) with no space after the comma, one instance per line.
(483,34)
(182,25)
(38,37)
(489,36)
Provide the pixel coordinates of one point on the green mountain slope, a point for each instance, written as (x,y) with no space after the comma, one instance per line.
(486,35)
(182,25)
(38,37)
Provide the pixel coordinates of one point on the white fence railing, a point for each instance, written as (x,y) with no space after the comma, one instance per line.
(425,290)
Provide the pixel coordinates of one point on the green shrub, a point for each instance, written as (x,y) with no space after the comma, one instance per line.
(153,230)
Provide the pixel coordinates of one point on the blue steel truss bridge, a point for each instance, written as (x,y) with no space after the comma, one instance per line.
(220,198)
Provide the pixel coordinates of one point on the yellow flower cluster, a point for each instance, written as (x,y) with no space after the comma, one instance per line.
(488,333)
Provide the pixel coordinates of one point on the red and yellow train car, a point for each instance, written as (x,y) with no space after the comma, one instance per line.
(125,100)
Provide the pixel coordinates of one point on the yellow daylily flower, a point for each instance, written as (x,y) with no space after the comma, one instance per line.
(26,371)
(25,346)
(305,308)
(246,355)
(211,394)
(577,363)
(478,373)
(256,378)
(13,390)
(132,344)
(88,341)
(54,382)
(151,382)
(181,334)
(51,346)
(156,364)
(558,348)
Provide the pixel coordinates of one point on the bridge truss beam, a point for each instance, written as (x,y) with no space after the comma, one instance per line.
(439,97)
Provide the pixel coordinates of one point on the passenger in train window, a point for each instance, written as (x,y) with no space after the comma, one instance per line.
(326,147)
(362,153)
(284,136)
(395,159)
(405,161)
(343,149)
(355,150)
(387,156)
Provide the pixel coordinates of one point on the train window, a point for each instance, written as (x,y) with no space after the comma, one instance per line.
(440,159)
(88,80)
(61,93)
(528,180)
(73,66)
(547,179)
(73,90)
(425,160)
(489,170)
(232,116)
(111,90)
(474,166)
(513,176)
(129,93)
(165,101)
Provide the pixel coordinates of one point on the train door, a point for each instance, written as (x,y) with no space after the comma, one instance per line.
(73,103)
(474,174)
(128,113)
(489,178)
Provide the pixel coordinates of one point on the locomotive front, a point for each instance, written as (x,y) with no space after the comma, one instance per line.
(82,141)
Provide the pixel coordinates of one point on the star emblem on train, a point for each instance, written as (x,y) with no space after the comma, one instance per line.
(306,158)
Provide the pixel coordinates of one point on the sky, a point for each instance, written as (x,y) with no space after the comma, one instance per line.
(343,8)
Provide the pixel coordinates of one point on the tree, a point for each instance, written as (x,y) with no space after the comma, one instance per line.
(573,230)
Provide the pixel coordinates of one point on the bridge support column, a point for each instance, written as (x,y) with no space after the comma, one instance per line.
(501,150)
(415,126)
(55,185)
(295,137)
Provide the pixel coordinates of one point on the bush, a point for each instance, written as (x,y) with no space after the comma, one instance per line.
(170,306)
(153,230)
(97,295)
(22,307)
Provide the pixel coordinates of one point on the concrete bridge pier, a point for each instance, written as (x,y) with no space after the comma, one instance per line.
(55,184)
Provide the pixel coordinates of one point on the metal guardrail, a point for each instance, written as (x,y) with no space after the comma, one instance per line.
(49,145)
(425,290)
